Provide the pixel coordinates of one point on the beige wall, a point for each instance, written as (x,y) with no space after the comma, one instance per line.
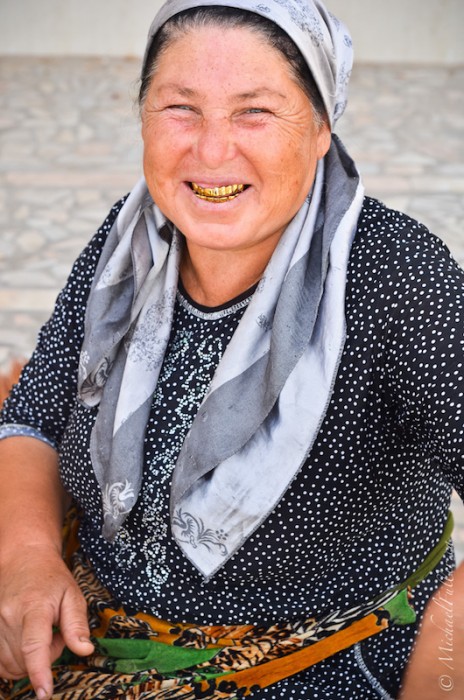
(394,30)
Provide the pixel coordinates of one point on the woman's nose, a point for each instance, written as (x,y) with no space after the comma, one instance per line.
(215,142)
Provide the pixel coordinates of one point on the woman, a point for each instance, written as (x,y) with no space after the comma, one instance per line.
(250,387)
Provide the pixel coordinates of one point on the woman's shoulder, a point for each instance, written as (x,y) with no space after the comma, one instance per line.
(84,267)
(395,255)
(98,240)
(379,225)
(390,237)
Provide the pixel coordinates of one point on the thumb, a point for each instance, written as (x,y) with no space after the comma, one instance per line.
(74,626)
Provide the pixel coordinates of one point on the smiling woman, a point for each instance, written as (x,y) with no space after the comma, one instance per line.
(246,408)
(203,123)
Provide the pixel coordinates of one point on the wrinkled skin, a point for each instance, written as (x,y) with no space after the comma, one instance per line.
(37,591)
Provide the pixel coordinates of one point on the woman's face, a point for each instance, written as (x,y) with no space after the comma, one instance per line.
(230,143)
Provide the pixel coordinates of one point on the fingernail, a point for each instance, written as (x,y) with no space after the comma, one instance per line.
(41,694)
(85,640)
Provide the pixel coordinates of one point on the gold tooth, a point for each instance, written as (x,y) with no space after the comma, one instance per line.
(217,200)
(217,192)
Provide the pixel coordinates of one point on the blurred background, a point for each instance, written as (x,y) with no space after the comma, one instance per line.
(426,31)
(70,143)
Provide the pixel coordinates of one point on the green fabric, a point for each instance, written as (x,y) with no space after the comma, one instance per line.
(132,655)
(401,612)
(433,557)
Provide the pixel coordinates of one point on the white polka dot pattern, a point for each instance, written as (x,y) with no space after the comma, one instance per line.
(367,505)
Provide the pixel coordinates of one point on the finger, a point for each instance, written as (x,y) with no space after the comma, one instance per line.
(74,626)
(36,643)
(56,647)
(10,667)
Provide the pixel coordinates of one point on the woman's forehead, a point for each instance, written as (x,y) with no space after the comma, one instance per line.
(237,58)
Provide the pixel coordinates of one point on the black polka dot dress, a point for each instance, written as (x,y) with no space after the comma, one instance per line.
(372,497)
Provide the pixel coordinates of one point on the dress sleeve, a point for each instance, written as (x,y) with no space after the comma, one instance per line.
(423,302)
(40,403)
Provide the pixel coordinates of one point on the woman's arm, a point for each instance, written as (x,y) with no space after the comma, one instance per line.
(422,291)
(436,668)
(37,590)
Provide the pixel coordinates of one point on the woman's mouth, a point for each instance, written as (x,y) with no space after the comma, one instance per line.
(218,195)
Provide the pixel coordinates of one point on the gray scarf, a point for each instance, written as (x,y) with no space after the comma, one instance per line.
(268,397)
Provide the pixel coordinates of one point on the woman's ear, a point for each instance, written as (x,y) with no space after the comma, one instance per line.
(324,139)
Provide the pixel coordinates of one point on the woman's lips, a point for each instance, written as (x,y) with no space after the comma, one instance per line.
(218,195)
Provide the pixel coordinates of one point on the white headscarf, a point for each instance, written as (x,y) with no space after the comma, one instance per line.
(322,39)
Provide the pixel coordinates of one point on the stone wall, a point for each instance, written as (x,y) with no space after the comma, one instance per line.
(412,31)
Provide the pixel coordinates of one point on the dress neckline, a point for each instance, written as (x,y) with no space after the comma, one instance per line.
(214,312)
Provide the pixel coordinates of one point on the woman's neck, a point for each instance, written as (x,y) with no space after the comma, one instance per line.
(212,278)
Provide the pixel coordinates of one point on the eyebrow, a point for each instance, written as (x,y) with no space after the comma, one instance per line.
(259,92)
(184,91)
(181,90)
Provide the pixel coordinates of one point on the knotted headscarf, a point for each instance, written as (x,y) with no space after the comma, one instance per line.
(270,392)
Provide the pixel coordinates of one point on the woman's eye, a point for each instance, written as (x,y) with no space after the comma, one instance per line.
(256,110)
(181,107)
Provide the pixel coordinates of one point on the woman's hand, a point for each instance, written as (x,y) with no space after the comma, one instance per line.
(436,668)
(37,591)
(38,594)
